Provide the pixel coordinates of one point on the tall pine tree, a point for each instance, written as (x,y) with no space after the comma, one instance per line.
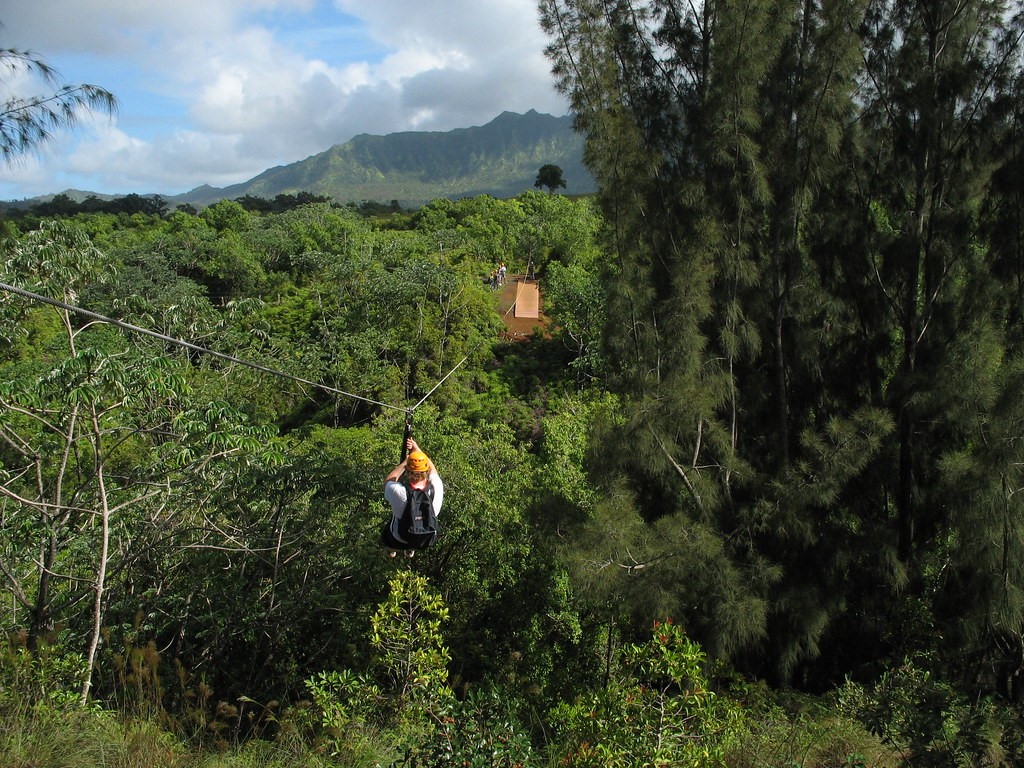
(711,129)
(793,193)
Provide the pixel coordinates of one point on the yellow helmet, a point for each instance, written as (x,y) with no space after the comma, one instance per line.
(418,462)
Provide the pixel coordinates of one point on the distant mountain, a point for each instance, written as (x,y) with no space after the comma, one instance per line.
(500,158)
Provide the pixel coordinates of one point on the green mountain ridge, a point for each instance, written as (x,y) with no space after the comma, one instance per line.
(501,158)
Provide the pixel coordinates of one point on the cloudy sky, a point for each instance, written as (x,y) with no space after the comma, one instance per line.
(217,91)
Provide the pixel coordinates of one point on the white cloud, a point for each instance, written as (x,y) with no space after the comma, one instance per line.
(23,178)
(216,91)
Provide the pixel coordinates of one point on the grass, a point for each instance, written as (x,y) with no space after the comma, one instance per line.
(43,738)
(48,738)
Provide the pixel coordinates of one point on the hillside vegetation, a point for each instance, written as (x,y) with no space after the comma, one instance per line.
(500,159)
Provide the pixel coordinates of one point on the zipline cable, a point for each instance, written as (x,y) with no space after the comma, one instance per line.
(195,347)
(453,370)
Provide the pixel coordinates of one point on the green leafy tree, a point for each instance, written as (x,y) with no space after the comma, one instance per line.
(58,205)
(410,706)
(576,305)
(549,177)
(482,730)
(411,658)
(921,122)
(660,710)
(914,711)
(493,227)
(406,635)
(559,228)
(307,503)
(226,215)
(437,222)
(666,95)
(95,437)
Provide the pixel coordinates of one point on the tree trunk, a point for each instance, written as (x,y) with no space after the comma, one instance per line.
(101,568)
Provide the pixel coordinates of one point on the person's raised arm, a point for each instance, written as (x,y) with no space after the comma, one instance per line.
(395,473)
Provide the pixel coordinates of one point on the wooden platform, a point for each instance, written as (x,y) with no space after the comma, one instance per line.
(519,328)
(527,300)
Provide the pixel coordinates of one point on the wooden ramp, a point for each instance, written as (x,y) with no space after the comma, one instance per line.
(527,300)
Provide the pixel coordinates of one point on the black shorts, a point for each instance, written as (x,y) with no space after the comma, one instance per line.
(387,539)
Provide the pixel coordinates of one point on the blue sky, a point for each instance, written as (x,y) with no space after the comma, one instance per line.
(217,91)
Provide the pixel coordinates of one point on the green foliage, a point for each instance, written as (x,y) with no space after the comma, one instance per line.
(95,438)
(577,307)
(57,259)
(48,677)
(225,215)
(659,711)
(803,324)
(343,699)
(784,731)
(718,426)
(406,636)
(481,731)
(347,706)
(567,437)
(921,715)
(410,658)
(549,177)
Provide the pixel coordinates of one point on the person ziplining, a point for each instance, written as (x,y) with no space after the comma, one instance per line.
(416,493)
